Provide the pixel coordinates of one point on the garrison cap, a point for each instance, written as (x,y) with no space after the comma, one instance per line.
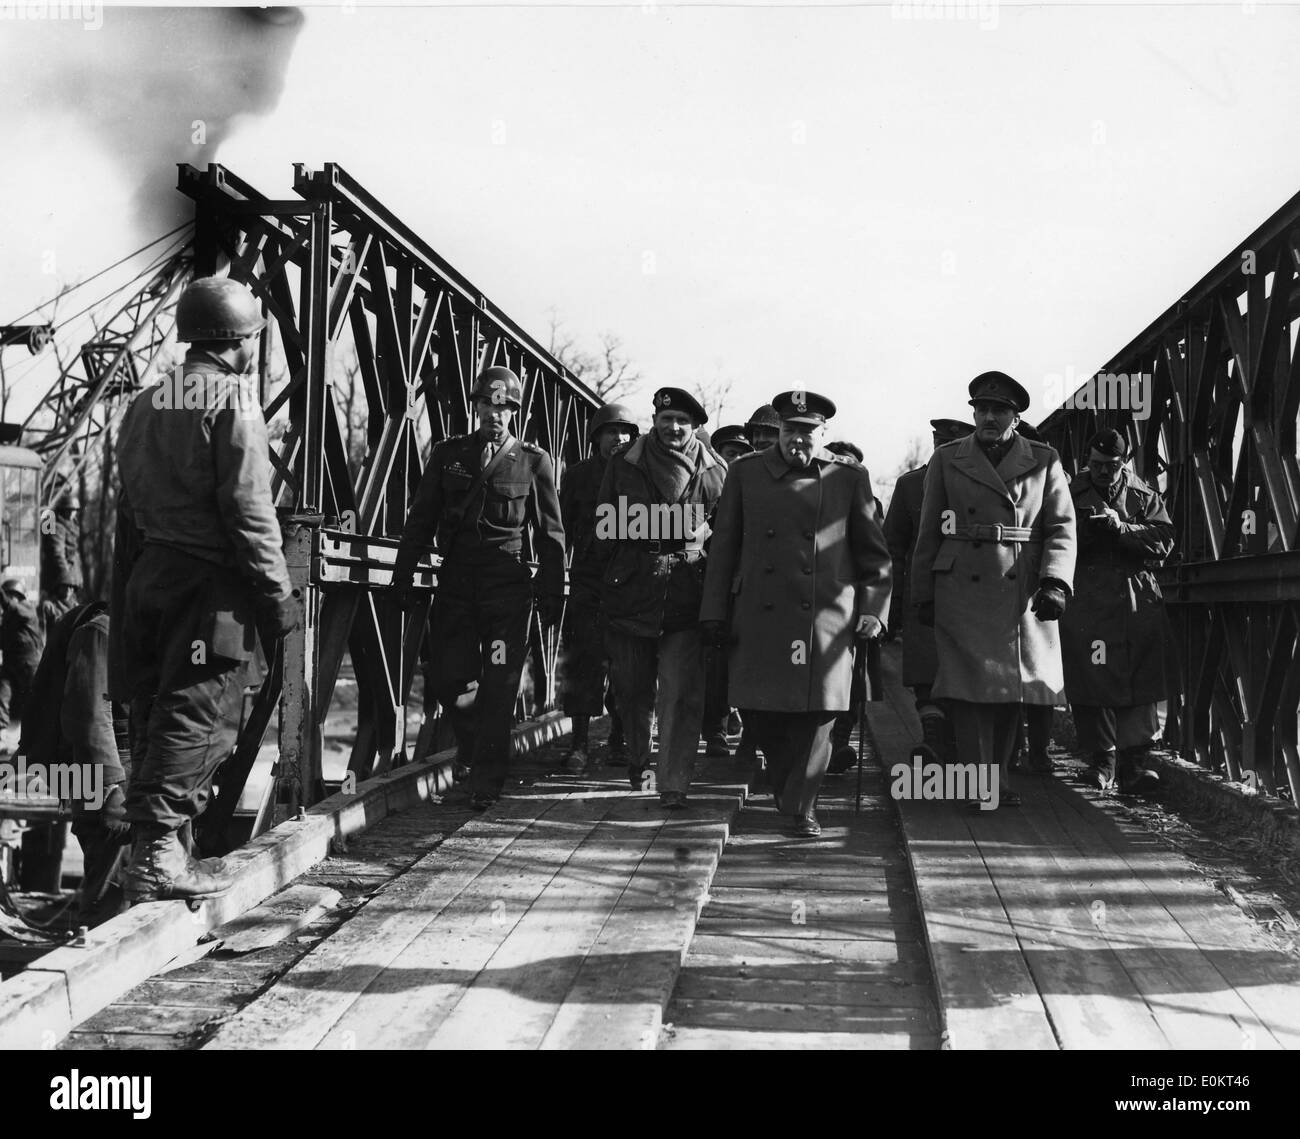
(1109,442)
(13,585)
(950,429)
(998,387)
(844,447)
(1030,432)
(733,434)
(801,406)
(675,399)
(764,416)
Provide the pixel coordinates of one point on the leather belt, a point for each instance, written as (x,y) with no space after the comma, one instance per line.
(996,532)
(669,547)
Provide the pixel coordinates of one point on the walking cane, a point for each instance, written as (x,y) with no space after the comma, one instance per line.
(860,660)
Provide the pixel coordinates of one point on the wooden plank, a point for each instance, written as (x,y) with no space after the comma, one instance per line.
(883,952)
(701,982)
(79,1041)
(799,1016)
(277,918)
(678,1038)
(34,1010)
(155,1020)
(310,999)
(758,929)
(1089,996)
(545,950)
(618,997)
(986,992)
(1210,977)
(183,994)
(727,901)
(403,1005)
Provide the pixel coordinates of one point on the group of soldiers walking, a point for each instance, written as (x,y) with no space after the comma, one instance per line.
(713,582)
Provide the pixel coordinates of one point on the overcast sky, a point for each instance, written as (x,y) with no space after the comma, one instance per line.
(861,200)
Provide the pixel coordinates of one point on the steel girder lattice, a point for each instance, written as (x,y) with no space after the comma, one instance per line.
(1220,442)
(331,266)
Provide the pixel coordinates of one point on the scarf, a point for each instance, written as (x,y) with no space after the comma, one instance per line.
(670,471)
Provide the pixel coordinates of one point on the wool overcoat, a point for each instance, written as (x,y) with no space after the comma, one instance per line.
(1115,639)
(793,562)
(991,648)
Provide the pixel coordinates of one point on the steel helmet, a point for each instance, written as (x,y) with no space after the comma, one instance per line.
(499,386)
(612,414)
(217,308)
(764,416)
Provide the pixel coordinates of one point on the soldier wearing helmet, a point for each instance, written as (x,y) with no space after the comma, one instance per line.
(763,428)
(478,494)
(199,577)
(586,666)
(60,552)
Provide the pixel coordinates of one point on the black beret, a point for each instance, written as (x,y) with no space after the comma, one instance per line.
(675,399)
(1109,442)
(998,387)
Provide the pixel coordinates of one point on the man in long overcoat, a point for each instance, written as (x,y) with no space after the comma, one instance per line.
(992,569)
(1115,640)
(798,569)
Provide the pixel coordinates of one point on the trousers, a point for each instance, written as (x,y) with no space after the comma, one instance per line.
(189,653)
(586,661)
(797,747)
(479,629)
(1105,729)
(985,733)
(661,675)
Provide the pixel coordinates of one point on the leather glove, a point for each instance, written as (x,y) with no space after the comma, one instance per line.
(925,614)
(1049,603)
(868,627)
(277,617)
(713,634)
(549,610)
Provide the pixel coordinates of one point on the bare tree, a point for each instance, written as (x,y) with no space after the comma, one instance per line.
(607,371)
(914,457)
(713,395)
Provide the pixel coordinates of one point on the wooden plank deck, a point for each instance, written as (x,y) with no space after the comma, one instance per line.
(1056,925)
(809,943)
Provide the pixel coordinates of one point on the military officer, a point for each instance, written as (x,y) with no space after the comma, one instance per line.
(199,575)
(1115,639)
(21,643)
(731,442)
(991,571)
(919,660)
(476,497)
(798,570)
(586,663)
(652,586)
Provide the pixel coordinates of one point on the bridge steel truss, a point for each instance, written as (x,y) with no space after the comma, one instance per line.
(1220,441)
(330,265)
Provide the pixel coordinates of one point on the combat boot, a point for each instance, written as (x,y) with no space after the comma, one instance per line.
(1100,772)
(161,870)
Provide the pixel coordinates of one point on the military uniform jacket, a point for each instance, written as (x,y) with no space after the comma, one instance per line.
(645,593)
(902,524)
(991,648)
(793,562)
(477,528)
(198,480)
(579,496)
(1115,639)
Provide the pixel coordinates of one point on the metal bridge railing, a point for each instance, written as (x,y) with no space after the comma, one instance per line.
(1215,429)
